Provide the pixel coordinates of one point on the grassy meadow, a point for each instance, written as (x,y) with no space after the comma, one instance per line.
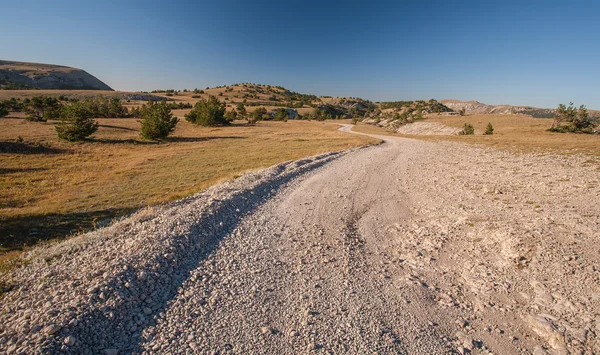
(517,133)
(51,189)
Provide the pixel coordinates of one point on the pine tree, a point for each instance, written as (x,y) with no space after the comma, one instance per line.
(77,122)
(208,112)
(157,120)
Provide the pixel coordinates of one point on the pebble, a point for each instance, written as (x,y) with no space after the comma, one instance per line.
(266,330)
(51,329)
(70,340)
(149,281)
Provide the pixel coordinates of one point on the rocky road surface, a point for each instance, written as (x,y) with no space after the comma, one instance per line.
(408,247)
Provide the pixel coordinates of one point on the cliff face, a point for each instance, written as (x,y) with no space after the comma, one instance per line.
(21,75)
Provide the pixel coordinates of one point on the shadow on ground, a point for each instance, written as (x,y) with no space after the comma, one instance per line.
(17,233)
(167,140)
(7,171)
(28,148)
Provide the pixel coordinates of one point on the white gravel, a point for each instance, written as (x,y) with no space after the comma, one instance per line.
(407,247)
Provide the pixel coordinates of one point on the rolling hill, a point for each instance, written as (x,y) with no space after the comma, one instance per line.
(478,108)
(22,75)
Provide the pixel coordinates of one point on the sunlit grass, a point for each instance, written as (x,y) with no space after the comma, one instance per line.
(50,189)
(511,132)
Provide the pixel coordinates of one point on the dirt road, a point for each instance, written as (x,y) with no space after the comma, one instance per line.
(408,247)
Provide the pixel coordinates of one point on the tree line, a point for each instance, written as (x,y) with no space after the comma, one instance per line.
(572,119)
(43,108)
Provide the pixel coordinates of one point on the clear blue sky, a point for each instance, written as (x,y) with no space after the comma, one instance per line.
(534,52)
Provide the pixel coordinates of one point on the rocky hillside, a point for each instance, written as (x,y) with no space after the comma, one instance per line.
(21,75)
(476,107)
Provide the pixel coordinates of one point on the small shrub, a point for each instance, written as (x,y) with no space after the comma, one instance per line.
(77,122)
(418,115)
(281,115)
(241,110)
(208,112)
(157,120)
(489,129)
(569,119)
(3,110)
(42,108)
(467,130)
(231,115)
(257,115)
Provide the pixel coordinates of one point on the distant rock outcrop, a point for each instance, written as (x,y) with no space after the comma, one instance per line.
(21,75)
(476,107)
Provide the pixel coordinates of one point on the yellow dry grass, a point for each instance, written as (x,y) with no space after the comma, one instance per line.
(49,189)
(517,133)
(22,94)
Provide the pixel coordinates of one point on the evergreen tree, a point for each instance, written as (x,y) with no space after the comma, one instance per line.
(42,108)
(3,109)
(231,115)
(208,112)
(77,122)
(157,120)
(281,115)
(241,109)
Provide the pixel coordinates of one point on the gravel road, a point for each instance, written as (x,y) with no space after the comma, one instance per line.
(407,247)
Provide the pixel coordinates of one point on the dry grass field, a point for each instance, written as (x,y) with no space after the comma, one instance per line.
(22,94)
(514,132)
(50,189)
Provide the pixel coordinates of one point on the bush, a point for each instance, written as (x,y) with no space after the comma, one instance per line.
(179,105)
(418,115)
(231,115)
(489,129)
(569,119)
(77,122)
(281,115)
(241,110)
(3,110)
(42,108)
(13,105)
(467,130)
(208,112)
(258,115)
(157,120)
(105,107)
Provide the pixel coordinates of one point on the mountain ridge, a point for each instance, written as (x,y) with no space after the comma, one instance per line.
(26,75)
(473,107)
